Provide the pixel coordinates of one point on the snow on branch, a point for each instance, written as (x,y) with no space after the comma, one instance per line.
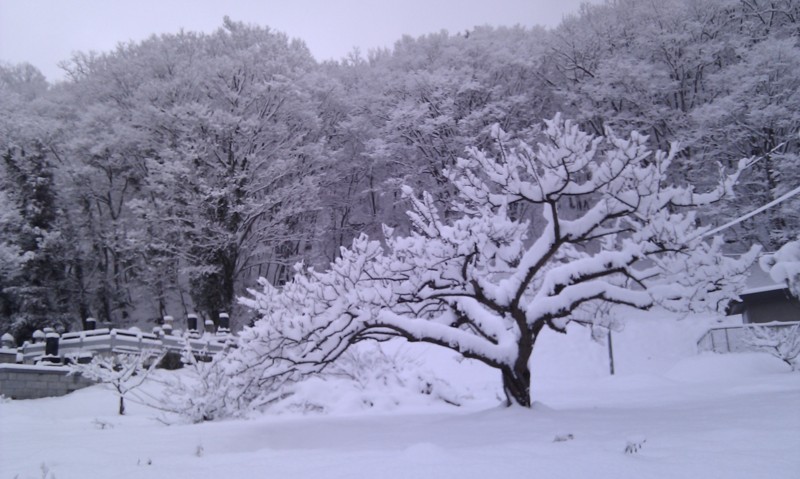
(784,266)
(781,341)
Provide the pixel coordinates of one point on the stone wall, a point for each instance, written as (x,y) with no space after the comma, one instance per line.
(22,381)
(8,355)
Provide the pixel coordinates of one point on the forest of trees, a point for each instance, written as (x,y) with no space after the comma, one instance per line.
(167,176)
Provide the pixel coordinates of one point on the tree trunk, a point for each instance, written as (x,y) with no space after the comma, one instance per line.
(121,406)
(517,377)
(517,385)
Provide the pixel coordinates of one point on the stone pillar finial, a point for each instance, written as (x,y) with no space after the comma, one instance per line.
(224,324)
(208,326)
(167,327)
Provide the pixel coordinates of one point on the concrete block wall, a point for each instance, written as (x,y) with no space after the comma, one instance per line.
(8,355)
(22,381)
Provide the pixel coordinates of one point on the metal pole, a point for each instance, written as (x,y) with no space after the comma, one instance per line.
(610,353)
(727,340)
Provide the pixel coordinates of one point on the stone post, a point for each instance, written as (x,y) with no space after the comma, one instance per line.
(38,336)
(191,325)
(224,324)
(8,342)
(167,327)
(51,346)
(90,325)
(208,326)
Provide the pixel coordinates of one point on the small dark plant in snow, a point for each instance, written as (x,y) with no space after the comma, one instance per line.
(563,438)
(634,444)
(46,472)
(100,424)
(783,342)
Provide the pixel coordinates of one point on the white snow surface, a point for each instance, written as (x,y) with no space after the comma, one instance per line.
(726,416)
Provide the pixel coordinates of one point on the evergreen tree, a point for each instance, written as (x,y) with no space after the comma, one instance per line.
(36,285)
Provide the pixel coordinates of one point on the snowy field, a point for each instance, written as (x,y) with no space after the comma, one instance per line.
(709,416)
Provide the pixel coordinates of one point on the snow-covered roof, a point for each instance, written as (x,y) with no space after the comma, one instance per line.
(758,278)
(764,289)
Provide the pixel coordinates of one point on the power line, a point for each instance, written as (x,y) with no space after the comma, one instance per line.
(752,213)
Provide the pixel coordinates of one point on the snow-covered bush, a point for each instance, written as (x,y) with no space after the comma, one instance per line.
(784,266)
(198,391)
(369,366)
(783,342)
(366,376)
(534,233)
(363,377)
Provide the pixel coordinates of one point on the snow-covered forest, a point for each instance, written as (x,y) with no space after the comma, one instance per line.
(167,176)
(405,242)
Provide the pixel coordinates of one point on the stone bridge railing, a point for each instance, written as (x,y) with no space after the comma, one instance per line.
(50,347)
(38,368)
(89,343)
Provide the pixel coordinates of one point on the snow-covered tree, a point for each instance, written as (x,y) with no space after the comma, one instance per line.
(542,231)
(718,76)
(36,282)
(121,372)
(34,250)
(783,342)
(187,148)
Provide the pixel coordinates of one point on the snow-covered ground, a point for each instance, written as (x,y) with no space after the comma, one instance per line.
(710,416)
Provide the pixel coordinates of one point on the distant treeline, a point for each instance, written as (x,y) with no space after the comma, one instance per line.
(166,176)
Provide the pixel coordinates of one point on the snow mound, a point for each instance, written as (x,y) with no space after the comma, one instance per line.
(712,367)
(373,377)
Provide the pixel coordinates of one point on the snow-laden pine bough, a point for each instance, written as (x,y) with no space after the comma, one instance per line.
(535,234)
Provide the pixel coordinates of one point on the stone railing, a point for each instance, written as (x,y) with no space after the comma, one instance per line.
(47,346)
(36,369)
(88,343)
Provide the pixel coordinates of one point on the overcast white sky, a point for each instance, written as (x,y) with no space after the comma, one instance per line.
(45,32)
